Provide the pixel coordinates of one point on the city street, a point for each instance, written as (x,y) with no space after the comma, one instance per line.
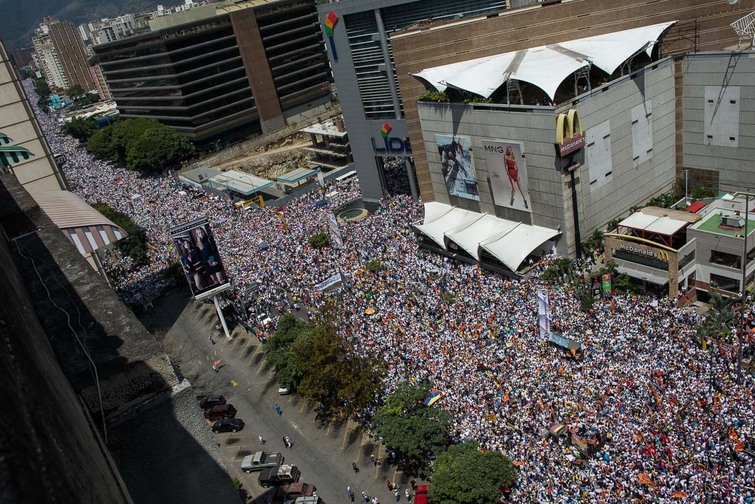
(323,453)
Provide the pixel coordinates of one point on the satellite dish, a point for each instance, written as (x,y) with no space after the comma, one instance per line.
(733,2)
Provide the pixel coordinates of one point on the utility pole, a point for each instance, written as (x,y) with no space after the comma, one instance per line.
(741,329)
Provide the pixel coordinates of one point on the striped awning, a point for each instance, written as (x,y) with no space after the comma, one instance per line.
(13,154)
(5,139)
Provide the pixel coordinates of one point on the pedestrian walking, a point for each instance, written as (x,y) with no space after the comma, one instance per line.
(262,440)
(366,498)
(350,494)
(287,442)
(374,461)
(278,410)
(389,485)
(408,495)
(355,467)
(216,365)
(397,494)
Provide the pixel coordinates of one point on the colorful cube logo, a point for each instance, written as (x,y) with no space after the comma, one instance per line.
(386,130)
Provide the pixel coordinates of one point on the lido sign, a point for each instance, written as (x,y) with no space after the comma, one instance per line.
(390,145)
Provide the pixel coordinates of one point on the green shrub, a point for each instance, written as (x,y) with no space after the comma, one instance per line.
(434,96)
(319,240)
(375,265)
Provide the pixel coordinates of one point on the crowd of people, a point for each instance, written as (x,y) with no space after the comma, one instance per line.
(676,423)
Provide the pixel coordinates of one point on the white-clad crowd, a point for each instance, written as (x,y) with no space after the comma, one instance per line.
(678,424)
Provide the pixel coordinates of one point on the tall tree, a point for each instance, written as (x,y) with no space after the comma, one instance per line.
(409,427)
(157,149)
(465,475)
(80,128)
(278,350)
(337,380)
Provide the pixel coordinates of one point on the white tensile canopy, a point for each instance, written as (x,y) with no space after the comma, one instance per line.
(508,241)
(545,66)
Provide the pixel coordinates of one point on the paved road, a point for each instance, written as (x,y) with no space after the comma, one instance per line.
(324,453)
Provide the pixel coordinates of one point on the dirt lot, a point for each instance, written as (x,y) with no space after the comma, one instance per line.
(273,159)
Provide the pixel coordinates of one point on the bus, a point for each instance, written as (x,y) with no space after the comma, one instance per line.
(346,176)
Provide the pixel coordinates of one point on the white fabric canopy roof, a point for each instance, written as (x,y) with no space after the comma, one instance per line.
(514,247)
(508,241)
(545,66)
(454,218)
(469,237)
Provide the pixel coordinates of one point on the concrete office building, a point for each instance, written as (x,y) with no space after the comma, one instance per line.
(239,68)
(71,53)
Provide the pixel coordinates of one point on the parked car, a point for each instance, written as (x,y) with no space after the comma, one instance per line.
(420,494)
(277,476)
(284,389)
(261,460)
(228,425)
(220,411)
(210,401)
(294,490)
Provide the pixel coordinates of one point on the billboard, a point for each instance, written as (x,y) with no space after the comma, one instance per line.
(199,258)
(508,173)
(456,165)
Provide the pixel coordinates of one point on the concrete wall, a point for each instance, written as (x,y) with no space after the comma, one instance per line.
(50,448)
(726,78)
(39,173)
(629,184)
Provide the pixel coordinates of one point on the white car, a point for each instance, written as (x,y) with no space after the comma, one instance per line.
(264,319)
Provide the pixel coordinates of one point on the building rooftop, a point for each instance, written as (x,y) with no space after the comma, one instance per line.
(712,224)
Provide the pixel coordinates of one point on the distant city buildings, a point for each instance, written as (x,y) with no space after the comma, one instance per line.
(60,55)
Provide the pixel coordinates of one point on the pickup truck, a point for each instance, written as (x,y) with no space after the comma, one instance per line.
(261,460)
(276,476)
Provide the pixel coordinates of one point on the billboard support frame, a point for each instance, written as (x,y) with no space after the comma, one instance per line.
(222,318)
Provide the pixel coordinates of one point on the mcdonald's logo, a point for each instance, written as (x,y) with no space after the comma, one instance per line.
(662,255)
(569,135)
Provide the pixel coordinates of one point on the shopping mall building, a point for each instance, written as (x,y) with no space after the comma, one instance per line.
(529,128)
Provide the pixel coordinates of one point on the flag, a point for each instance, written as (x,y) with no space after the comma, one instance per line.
(644,478)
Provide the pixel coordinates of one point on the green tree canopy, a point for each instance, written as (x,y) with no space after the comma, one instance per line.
(278,348)
(464,475)
(411,428)
(142,144)
(337,380)
(80,128)
(101,144)
(75,92)
(157,149)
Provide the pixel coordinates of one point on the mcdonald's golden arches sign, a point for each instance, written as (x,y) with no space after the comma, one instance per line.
(569,135)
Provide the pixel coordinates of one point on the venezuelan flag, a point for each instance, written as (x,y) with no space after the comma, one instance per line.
(435,396)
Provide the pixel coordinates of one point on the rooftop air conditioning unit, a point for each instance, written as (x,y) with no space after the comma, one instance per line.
(732,220)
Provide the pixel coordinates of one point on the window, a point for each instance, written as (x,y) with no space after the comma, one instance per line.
(725,259)
(724,283)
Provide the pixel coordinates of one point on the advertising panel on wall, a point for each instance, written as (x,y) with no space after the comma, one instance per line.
(199,258)
(456,164)
(508,173)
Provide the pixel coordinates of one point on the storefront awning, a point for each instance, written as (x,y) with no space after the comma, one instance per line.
(508,241)
(642,274)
